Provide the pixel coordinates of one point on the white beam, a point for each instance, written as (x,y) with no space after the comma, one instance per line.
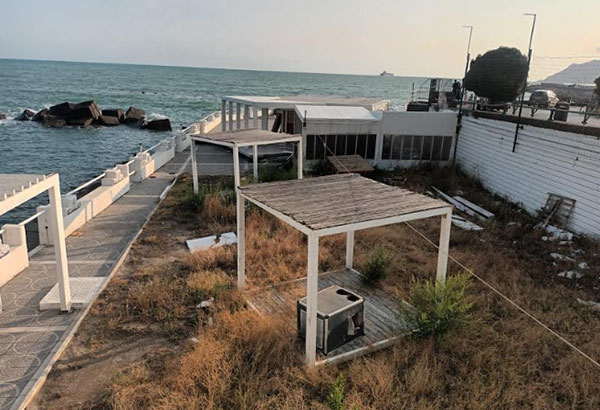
(246,116)
(265,119)
(444,247)
(300,158)
(349,249)
(255,162)
(254,116)
(312,289)
(60,248)
(20,197)
(194,165)
(241,240)
(236,167)
(238,116)
(230,116)
(223,115)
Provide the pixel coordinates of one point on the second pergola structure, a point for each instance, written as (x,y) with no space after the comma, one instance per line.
(337,204)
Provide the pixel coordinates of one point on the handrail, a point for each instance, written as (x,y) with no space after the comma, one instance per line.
(90,182)
(152,147)
(32,217)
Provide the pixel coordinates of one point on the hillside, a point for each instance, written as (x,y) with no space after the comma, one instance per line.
(584,73)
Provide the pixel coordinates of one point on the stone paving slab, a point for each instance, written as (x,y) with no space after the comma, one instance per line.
(30,338)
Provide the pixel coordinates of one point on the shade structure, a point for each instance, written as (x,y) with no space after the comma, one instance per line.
(336,204)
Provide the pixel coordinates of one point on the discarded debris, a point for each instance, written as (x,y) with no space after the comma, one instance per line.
(484,213)
(595,306)
(556,233)
(583,265)
(205,304)
(464,224)
(454,202)
(213,241)
(560,257)
(570,274)
(464,205)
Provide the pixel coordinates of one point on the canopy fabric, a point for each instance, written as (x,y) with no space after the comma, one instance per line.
(333,113)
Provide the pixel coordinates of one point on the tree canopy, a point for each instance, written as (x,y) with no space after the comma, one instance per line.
(498,74)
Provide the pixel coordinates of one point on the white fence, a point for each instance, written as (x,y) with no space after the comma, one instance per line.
(545,161)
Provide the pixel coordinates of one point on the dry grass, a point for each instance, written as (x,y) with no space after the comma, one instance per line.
(241,360)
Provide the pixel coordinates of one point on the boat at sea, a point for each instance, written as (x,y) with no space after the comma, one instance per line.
(386,74)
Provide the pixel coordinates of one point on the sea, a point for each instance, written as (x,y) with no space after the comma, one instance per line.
(182,94)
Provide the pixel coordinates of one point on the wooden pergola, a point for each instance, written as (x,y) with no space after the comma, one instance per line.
(336,204)
(240,139)
(15,190)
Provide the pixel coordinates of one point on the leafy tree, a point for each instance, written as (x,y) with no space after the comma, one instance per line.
(499,74)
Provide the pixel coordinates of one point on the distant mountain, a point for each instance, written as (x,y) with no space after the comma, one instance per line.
(584,73)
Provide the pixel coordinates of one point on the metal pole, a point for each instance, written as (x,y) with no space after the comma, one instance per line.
(463,91)
(529,54)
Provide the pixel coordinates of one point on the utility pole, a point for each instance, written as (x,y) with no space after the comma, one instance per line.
(463,92)
(530,53)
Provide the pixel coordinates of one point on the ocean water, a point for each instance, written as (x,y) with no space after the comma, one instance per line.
(182,94)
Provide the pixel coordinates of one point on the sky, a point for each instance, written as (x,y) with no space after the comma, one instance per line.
(413,38)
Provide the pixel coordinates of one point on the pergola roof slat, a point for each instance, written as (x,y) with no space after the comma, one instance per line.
(247,137)
(338,200)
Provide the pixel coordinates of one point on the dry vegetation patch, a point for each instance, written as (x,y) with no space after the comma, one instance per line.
(227,356)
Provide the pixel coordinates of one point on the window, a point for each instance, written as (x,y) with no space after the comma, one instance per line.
(320,146)
(416,147)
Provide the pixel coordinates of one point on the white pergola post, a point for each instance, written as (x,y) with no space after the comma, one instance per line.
(246,116)
(300,157)
(255,161)
(265,119)
(60,248)
(444,247)
(349,249)
(241,221)
(194,165)
(238,116)
(312,290)
(223,115)
(230,116)
(254,117)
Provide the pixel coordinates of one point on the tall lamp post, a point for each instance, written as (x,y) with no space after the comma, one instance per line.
(530,53)
(462,91)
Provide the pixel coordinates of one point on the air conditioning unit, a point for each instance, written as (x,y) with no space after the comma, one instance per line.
(340,318)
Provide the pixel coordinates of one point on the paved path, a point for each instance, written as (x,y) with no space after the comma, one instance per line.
(30,340)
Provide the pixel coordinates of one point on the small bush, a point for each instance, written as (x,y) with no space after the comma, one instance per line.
(374,269)
(271,173)
(438,308)
(335,398)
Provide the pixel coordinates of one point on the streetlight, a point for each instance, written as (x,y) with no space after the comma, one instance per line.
(530,52)
(463,90)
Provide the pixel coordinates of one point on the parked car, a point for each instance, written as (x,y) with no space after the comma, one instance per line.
(543,98)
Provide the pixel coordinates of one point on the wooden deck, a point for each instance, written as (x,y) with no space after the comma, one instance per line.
(343,164)
(383,326)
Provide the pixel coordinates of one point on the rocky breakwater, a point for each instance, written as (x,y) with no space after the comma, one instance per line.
(87,113)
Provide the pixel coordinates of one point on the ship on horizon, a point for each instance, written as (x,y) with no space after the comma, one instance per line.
(386,74)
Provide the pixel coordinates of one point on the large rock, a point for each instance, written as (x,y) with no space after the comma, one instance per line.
(63,110)
(134,115)
(39,116)
(2,116)
(86,109)
(116,112)
(159,125)
(54,121)
(27,115)
(109,119)
(82,122)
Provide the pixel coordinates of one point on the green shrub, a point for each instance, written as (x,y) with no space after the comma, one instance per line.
(271,173)
(223,187)
(374,269)
(335,398)
(438,309)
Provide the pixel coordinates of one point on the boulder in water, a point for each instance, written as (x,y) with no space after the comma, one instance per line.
(2,116)
(86,109)
(133,115)
(83,121)
(109,119)
(39,116)
(116,112)
(27,115)
(61,110)
(159,125)
(54,121)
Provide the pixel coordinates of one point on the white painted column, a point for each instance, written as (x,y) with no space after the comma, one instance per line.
(300,159)
(60,247)
(223,115)
(349,249)
(254,117)
(444,247)
(194,166)
(236,166)
(265,118)
(230,120)
(246,116)
(312,289)
(241,240)
(238,116)
(255,161)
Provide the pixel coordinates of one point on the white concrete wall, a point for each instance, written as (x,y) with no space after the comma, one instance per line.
(418,123)
(17,258)
(545,161)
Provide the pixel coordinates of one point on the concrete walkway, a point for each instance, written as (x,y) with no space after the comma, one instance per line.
(31,340)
